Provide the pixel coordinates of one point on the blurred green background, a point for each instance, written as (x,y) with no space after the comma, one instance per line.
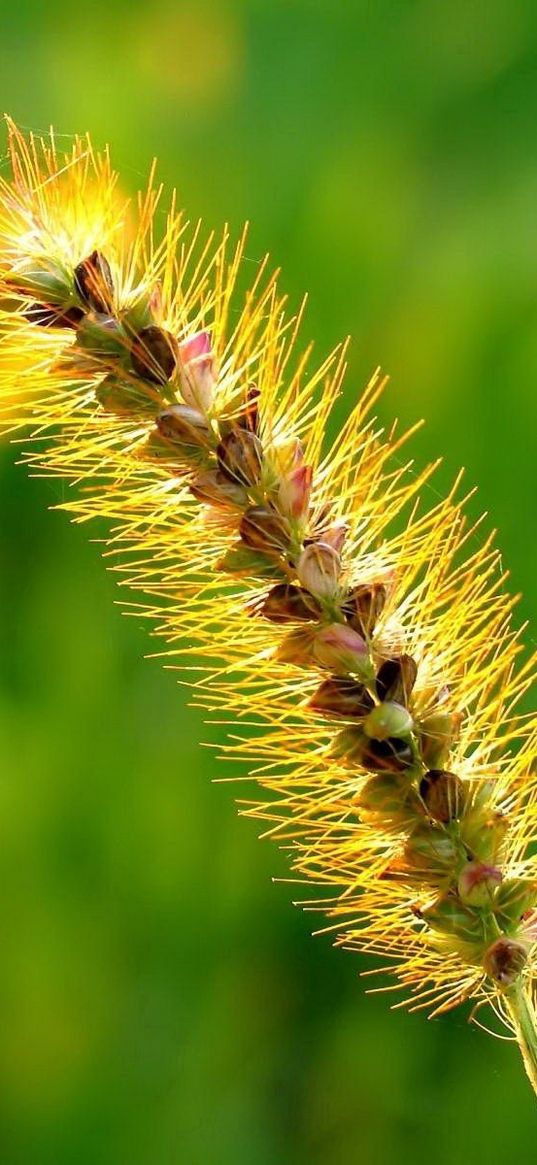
(160,1000)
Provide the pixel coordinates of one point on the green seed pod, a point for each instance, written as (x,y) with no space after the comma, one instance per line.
(47,316)
(240,456)
(287,603)
(513,899)
(388,720)
(363,607)
(504,961)
(137,316)
(478,883)
(437,734)
(391,798)
(45,282)
(242,560)
(215,489)
(154,354)
(124,399)
(483,794)
(183,424)
(157,449)
(392,755)
(483,830)
(443,795)
(94,283)
(102,337)
(341,696)
(449,916)
(264,529)
(430,849)
(396,679)
(348,745)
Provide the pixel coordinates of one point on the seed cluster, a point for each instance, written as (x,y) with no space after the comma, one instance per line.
(451,838)
(354,635)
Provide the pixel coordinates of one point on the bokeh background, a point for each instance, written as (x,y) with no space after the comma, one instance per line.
(161,1003)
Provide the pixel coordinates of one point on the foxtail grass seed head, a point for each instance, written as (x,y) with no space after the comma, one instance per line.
(297,647)
(431,852)
(367,636)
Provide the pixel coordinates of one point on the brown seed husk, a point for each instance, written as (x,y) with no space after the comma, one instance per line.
(363,607)
(264,529)
(340,696)
(504,961)
(396,678)
(215,489)
(443,794)
(183,424)
(240,456)
(47,316)
(249,417)
(94,283)
(154,354)
(392,755)
(287,603)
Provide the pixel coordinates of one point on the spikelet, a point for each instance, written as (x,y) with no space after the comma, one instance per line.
(359,645)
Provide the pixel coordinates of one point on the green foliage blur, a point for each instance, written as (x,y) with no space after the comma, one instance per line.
(161,1002)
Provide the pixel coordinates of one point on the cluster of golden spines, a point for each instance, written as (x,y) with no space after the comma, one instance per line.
(377,668)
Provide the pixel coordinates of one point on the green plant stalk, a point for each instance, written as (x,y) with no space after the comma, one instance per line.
(524,1019)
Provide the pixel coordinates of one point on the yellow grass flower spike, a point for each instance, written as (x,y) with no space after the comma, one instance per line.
(359,645)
